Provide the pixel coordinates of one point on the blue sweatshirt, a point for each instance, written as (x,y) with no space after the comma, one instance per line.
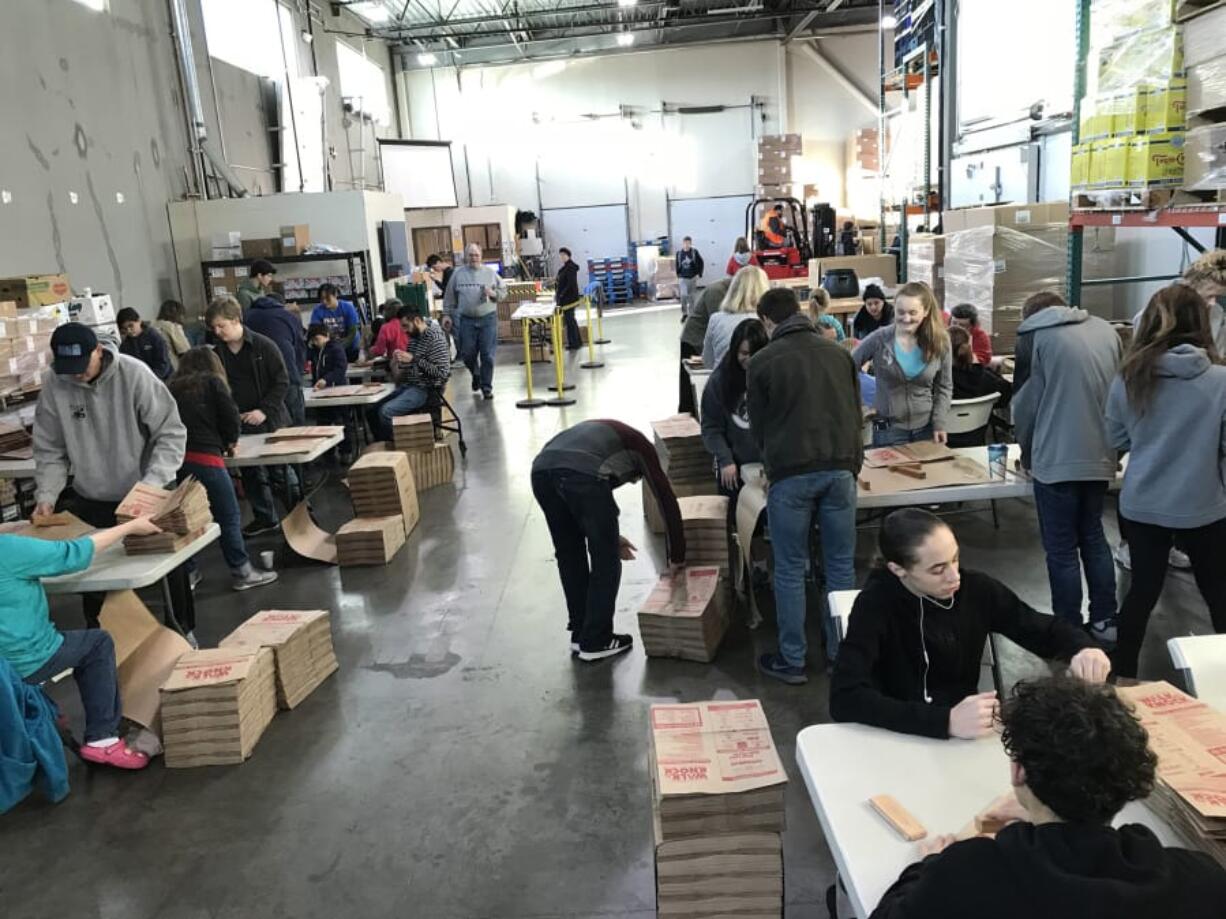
(1176,474)
(27,637)
(342,324)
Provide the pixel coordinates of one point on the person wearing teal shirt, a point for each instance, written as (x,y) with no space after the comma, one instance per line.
(37,650)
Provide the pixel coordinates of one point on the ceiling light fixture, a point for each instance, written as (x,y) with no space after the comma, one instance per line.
(625,39)
(888,21)
(373,12)
(626,3)
(426,59)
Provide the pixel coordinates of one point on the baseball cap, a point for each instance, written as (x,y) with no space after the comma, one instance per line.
(262,266)
(71,347)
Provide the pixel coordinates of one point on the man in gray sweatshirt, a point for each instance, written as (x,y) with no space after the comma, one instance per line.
(470,306)
(1065,362)
(106,419)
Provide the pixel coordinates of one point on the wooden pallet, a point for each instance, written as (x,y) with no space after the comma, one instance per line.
(1123,199)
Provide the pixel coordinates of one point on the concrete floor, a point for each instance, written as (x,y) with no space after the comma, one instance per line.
(460,763)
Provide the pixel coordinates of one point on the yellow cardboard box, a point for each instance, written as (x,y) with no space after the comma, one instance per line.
(1081,165)
(1109,163)
(1128,112)
(1166,107)
(1156,160)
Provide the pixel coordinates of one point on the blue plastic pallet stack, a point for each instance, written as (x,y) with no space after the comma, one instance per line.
(617,276)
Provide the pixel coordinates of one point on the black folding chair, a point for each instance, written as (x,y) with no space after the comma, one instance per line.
(435,403)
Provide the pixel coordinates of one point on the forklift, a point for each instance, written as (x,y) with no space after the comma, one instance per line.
(780,262)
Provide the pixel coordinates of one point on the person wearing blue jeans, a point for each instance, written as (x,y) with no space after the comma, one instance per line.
(812,449)
(425,366)
(478,348)
(470,305)
(1071,529)
(406,400)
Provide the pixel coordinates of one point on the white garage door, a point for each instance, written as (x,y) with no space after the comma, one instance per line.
(593,232)
(714,223)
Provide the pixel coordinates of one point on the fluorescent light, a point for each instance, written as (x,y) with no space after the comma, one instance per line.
(426,59)
(625,39)
(373,12)
(625,3)
(96,5)
(888,21)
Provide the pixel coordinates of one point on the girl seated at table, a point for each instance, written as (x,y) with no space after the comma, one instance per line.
(911,659)
(37,650)
(212,420)
(725,415)
(828,326)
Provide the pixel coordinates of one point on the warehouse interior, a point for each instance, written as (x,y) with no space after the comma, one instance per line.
(451,760)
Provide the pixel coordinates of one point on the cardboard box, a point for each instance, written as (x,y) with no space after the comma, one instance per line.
(1206,87)
(1204,37)
(683,617)
(865,266)
(382,485)
(301,642)
(1127,111)
(216,705)
(1079,169)
(294,239)
(704,518)
(1166,107)
(261,248)
(145,655)
(720,875)
(1017,216)
(370,540)
(683,455)
(413,433)
(8,309)
(781,143)
(774,192)
(1156,160)
(35,290)
(231,239)
(651,510)
(1205,158)
(1154,57)
(715,770)
(94,310)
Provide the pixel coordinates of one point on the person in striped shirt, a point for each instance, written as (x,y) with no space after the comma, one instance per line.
(425,366)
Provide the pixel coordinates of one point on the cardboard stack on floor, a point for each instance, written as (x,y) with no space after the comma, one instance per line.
(683,617)
(686,462)
(1191,789)
(705,519)
(432,462)
(182,514)
(301,642)
(517,292)
(665,278)
(385,502)
(216,704)
(717,811)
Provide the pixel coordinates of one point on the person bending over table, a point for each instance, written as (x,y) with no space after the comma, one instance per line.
(212,420)
(1077,756)
(424,366)
(911,659)
(108,419)
(914,370)
(573,478)
(37,650)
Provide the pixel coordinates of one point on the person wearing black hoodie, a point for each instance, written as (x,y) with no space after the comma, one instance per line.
(873,315)
(268,316)
(911,658)
(689,269)
(566,294)
(1077,756)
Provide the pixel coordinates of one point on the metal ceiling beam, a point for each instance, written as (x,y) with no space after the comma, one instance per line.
(836,73)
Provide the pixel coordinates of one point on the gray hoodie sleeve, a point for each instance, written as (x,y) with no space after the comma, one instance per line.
(942,391)
(1026,400)
(50,453)
(450,304)
(869,348)
(158,412)
(1117,417)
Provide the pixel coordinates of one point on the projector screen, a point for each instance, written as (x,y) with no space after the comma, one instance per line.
(419,171)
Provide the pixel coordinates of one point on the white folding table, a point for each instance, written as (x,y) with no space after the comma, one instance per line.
(314,400)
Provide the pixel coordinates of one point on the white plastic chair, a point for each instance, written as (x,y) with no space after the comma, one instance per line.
(969,415)
(1202,661)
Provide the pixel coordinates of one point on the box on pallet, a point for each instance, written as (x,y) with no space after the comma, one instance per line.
(1110,19)
(1205,158)
(1207,87)
(1156,160)
(294,239)
(35,290)
(1079,169)
(1204,37)
(1154,57)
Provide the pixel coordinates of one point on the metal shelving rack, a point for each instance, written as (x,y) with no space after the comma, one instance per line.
(356,263)
(1179,218)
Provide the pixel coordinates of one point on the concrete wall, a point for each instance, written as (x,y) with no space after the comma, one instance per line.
(94,143)
(508,122)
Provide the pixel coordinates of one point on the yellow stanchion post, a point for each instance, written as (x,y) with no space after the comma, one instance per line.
(591,363)
(560,398)
(529,402)
(600,339)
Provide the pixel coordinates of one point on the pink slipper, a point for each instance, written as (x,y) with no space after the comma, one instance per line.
(118,754)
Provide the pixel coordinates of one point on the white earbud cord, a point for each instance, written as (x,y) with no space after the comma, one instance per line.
(923,643)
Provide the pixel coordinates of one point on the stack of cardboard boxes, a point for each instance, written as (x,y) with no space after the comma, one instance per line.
(385,504)
(717,809)
(683,617)
(431,461)
(1204,38)
(517,292)
(686,462)
(926,262)
(868,149)
(183,515)
(665,278)
(705,520)
(775,152)
(369,540)
(30,310)
(301,642)
(1132,137)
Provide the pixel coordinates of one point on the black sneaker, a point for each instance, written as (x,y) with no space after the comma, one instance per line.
(619,644)
(476,384)
(259,527)
(773,665)
(488,393)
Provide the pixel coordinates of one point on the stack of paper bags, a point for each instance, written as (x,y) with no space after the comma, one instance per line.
(413,433)
(381,485)
(718,810)
(705,519)
(682,616)
(216,705)
(182,514)
(369,540)
(301,642)
(682,453)
(1186,734)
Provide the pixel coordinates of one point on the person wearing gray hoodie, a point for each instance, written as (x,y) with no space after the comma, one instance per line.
(470,306)
(1065,360)
(106,419)
(1167,409)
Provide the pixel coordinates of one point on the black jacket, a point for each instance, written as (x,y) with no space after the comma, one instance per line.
(689,264)
(330,363)
(567,285)
(150,348)
(880,675)
(726,431)
(977,380)
(209,414)
(864,325)
(804,403)
(1059,871)
(258,379)
(270,318)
